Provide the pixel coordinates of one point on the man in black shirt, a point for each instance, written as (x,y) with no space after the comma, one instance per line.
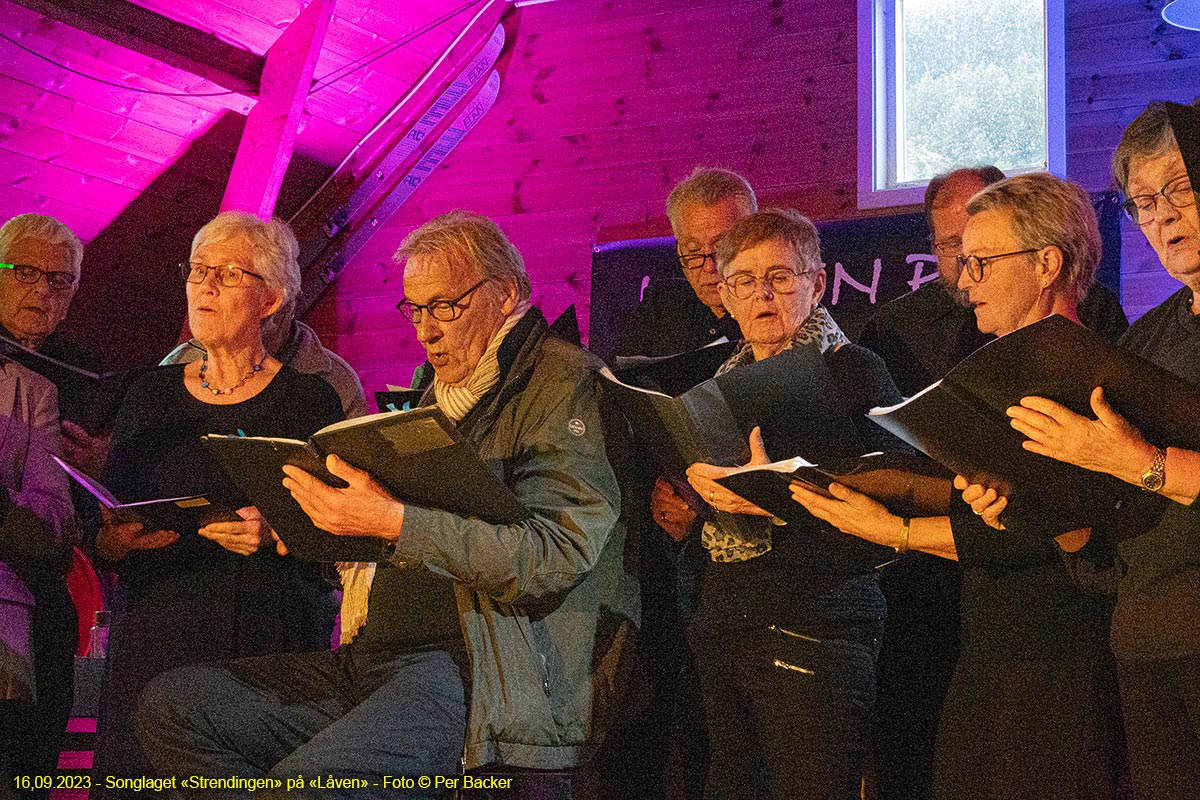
(675,317)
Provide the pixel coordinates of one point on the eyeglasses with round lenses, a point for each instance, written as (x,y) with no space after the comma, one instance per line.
(974,264)
(441,310)
(780,280)
(27,273)
(227,274)
(1143,208)
(692,261)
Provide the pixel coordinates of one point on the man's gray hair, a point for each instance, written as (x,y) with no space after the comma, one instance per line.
(42,228)
(273,248)
(986,174)
(708,186)
(1148,136)
(465,237)
(772,225)
(1046,210)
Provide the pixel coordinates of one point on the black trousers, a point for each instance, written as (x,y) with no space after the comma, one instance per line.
(342,714)
(31,735)
(783,703)
(1161,704)
(658,745)
(920,647)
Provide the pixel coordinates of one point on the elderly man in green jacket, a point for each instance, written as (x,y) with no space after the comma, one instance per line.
(490,644)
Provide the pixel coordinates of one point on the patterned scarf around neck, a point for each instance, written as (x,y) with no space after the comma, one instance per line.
(820,331)
(455,402)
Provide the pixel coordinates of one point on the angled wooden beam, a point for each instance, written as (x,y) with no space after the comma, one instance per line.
(135,28)
(266,146)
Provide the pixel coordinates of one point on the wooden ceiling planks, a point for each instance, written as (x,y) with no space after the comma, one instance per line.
(100,58)
(158,37)
(27,103)
(172,115)
(85,222)
(87,148)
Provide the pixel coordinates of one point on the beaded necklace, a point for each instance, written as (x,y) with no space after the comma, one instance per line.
(204,370)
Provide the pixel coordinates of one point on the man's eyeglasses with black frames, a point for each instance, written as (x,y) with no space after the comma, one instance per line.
(441,310)
(690,261)
(948,248)
(27,273)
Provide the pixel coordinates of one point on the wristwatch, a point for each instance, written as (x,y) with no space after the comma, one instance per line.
(1156,474)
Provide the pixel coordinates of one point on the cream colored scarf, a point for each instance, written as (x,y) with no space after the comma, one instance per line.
(455,402)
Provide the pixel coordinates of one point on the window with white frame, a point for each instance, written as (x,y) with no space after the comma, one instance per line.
(951,83)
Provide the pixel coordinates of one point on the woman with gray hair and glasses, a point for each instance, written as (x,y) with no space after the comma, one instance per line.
(220,591)
(1156,622)
(788,627)
(1033,674)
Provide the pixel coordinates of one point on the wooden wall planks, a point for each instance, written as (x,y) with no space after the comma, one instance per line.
(604,105)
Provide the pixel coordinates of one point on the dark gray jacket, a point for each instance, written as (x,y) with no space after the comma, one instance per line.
(548,607)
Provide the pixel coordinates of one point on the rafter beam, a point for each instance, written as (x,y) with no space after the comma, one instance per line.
(143,31)
(266,146)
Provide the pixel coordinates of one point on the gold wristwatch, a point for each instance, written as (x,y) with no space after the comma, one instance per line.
(1156,474)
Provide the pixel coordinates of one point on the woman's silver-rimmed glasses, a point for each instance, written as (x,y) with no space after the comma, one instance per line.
(779,280)
(227,274)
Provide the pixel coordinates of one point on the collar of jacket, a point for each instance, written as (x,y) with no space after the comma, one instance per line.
(517,356)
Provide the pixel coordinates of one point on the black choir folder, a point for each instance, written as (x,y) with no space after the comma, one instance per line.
(673,374)
(907,484)
(398,399)
(177,514)
(418,456)
(960,421)
(790,396)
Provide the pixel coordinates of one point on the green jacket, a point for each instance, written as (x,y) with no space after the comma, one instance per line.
(548,607)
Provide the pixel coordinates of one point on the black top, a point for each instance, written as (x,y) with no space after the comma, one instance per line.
(1018,599)
(815,574)
(921,335)
(193,600)
(81,399)
(157,452)
(671,319)
(1169,336)
(1158,595)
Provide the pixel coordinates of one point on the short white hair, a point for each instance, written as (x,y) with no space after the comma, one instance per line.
(44,229)
(273,248)
(708,186)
